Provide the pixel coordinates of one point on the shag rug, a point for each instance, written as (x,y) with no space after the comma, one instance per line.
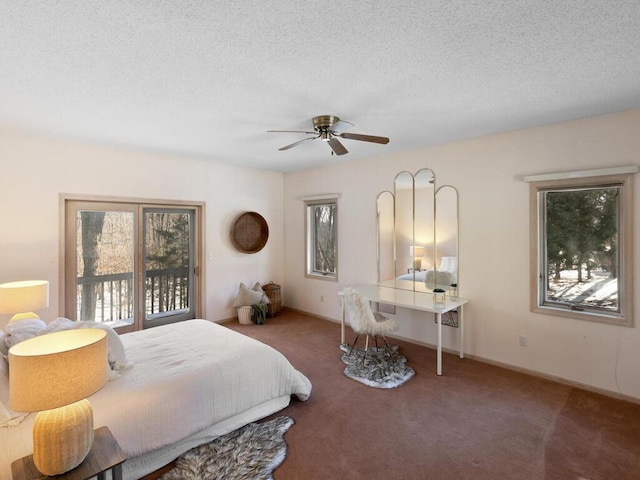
(252,452)
(381,371)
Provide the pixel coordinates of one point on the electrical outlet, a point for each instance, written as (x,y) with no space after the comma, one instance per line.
(321,298)
(523,340)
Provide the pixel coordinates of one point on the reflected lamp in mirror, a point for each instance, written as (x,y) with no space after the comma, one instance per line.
(416,252)
(53,374)
(21,298)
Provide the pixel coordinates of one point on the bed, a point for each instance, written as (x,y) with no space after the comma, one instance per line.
(182,385)
(442,277)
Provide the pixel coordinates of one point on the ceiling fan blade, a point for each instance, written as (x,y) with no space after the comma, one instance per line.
(298,142)
(365,138)
(337,147)
(341,125)
(290,131)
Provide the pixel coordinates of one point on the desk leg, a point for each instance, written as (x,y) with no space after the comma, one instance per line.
(439,358)
(461,331)
(342,339)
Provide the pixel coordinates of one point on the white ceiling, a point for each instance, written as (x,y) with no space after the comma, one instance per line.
(208,78)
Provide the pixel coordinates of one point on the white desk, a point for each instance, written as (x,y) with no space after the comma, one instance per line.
(415,301)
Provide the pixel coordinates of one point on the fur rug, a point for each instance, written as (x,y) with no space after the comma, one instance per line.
(252,452)
(381,371)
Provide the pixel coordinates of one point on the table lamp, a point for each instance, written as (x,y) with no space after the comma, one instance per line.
(21,298)
(52,374)
(416,252)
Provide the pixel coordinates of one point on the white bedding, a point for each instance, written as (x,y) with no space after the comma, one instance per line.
(442,277)
(187,378)
(431,277)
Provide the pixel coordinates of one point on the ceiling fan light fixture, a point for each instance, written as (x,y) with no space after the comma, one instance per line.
(328,128)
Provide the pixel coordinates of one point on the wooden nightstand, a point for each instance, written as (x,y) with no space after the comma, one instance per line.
(105,455)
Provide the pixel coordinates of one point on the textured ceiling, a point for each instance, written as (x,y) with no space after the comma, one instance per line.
(209,78)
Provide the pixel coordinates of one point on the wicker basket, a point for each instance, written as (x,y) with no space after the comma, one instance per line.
(244,315)
(272,290)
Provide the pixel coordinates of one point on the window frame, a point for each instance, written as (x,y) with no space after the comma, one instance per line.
(310,238)
(67,204)
(625,248)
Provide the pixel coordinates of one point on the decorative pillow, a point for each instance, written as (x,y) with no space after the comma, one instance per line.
(258,288)
(247,297)
(22,330)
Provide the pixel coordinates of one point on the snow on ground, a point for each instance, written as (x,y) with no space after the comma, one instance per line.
(599,291)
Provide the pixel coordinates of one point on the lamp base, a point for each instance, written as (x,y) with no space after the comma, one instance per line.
(22,316)
(62,437)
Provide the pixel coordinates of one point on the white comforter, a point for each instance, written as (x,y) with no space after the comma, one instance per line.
(185,378)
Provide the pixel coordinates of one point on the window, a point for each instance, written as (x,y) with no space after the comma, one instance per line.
(581,248)
(131,265)
(321,234)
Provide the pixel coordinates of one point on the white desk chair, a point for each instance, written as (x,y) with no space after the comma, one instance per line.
(364,321)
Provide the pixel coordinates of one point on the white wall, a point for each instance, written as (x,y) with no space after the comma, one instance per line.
(494,245)
(35,170)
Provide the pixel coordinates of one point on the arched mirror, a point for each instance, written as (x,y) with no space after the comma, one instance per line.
(423,228)
(418,234)
(403,231)
(385,206)
(446,256)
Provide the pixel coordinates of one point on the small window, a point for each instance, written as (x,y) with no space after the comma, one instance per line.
(322,239)
(581,248)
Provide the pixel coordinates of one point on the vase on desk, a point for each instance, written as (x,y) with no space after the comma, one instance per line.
(439,297)
(453,292)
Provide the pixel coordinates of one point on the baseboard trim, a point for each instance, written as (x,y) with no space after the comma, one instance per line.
(557,379)
(506,366)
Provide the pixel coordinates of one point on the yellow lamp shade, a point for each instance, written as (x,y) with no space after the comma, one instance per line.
(57,369)
(21,298)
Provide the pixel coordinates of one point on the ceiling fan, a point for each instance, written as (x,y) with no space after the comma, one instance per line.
(328,128)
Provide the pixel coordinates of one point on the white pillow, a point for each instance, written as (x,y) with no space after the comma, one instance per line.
(22,330)
(258,288)
(247,297)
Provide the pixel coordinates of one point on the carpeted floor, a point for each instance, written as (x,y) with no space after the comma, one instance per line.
(476,422)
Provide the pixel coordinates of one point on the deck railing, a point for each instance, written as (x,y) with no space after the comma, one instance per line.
(165,290)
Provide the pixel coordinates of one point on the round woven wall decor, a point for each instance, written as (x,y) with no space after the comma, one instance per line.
(249,232)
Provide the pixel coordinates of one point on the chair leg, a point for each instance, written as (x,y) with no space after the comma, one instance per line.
(375,338)
(354,344)
(387,346)
(366,348)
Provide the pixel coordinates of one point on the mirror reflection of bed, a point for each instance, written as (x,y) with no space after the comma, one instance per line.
(444,277)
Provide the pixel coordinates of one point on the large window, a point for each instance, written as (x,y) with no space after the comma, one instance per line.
(322,240)
(581,248)
(131,265)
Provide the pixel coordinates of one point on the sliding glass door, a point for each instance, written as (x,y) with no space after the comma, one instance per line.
(168,265)
(129,265)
